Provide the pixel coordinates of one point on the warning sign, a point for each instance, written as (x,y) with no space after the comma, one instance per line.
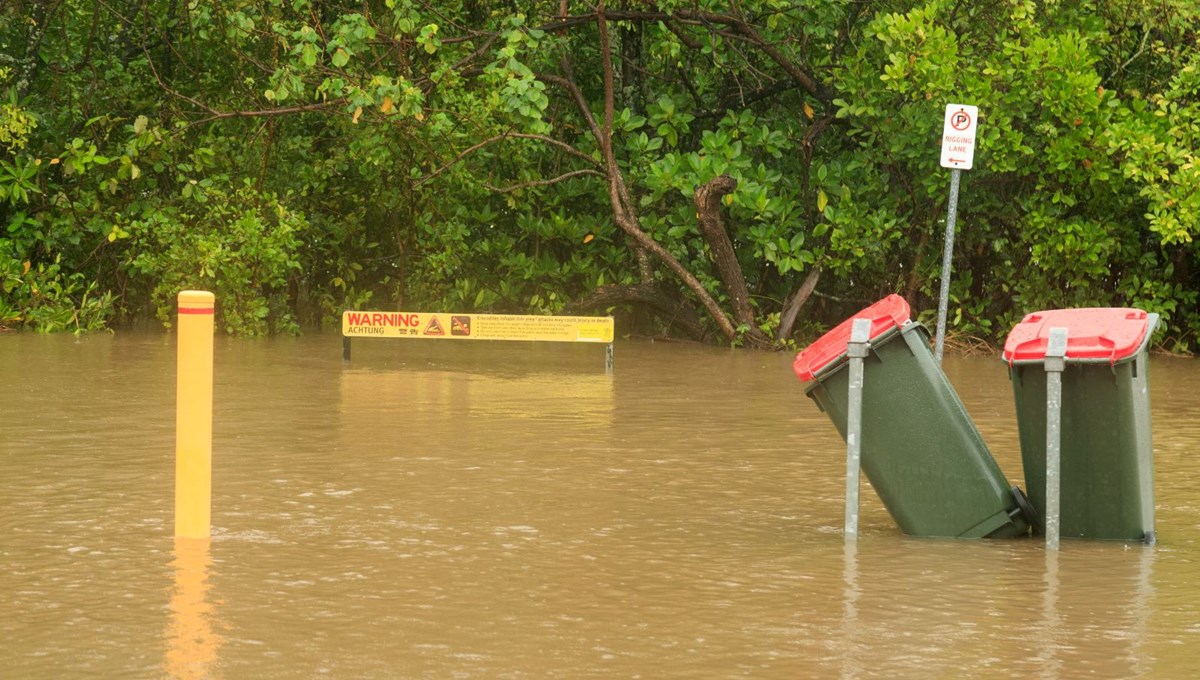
(958,136)
(477,326)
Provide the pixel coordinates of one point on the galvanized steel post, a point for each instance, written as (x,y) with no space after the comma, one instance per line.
(857,350)
(947,255)
(1056,353)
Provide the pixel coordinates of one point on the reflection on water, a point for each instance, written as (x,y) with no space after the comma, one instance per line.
(851,666)
(509,510)
(1051,621)
(192,642)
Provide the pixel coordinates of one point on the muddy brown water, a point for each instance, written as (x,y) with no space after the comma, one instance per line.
(508,510)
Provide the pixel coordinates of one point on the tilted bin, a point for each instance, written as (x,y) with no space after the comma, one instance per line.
(920,449)
(1107,465)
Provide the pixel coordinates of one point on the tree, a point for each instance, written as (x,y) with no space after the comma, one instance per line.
(747,172)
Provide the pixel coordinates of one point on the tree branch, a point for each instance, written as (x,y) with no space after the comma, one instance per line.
(708,199)
(791,310)
(622,206)
(705,18)
(545,182)
(510,135)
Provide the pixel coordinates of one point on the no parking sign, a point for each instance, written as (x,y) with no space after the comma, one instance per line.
(958,136)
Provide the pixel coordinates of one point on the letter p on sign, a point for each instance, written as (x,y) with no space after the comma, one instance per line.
(958,136)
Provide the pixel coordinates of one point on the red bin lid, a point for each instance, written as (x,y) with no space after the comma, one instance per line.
(1107,333)
(890,312)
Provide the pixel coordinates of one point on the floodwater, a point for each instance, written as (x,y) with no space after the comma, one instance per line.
(508,510)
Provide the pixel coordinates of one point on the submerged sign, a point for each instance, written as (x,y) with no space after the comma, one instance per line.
(477,326)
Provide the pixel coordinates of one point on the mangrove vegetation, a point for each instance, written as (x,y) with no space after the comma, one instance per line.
(738,172)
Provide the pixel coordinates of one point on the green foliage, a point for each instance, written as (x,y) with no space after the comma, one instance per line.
(47,299)
(299,158)
(240,244)
(15,126)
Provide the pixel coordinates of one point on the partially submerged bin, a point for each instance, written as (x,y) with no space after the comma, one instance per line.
(1107,464)
(920,449)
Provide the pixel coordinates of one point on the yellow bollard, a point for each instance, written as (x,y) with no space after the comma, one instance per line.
(193,415)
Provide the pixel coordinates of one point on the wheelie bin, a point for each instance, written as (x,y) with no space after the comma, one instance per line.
(1107,464)
(920,449)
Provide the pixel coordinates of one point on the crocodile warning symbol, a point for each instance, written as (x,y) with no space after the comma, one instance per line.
(434,327)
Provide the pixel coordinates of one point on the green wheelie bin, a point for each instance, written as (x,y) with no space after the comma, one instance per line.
(1106,468)
(920,449)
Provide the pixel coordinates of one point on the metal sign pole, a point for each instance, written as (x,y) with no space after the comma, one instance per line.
(857,349)
(947,255)
(958,154)
(1056,353)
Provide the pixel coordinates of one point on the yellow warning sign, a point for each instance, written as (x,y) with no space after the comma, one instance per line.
(477,326)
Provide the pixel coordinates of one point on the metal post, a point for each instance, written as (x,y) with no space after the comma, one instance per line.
(947,255)
(608,358)
(857,349)
(345,348)
(1056,353)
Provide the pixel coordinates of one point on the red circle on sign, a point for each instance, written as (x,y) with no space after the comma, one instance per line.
(960,120)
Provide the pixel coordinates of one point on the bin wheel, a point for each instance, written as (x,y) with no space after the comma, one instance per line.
(1026,510)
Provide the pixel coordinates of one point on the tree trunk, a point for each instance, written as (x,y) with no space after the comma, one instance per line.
(35,29)
(914,275)
(712,228)
(791,310)
(623,207)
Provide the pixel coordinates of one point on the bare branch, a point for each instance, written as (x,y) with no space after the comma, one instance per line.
(687,40)
(171,91)
(545,182)
(281,111)
(568,84)
(685,17)
(510,135)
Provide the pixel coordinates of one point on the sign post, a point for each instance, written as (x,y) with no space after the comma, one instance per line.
(958,154)
(857,349)
(1056,360)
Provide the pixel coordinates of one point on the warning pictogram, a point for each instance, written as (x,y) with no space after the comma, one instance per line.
(434,327)
(460,325)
